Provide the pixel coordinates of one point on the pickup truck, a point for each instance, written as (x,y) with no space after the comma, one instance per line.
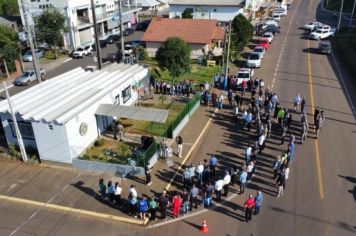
(28,76)
(322,33)
(244,74)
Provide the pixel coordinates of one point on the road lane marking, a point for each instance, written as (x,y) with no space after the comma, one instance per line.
(190,151)
(68,209)
(316,143)
(68,60)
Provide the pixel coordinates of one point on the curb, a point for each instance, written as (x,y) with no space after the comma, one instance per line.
(73,210)
(8,86)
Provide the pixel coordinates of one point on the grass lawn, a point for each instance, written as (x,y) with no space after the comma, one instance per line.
(111,151)
(198,73)
(344,45)
(334,5)
(152,128)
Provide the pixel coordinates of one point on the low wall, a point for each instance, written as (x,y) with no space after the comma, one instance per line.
(184,121)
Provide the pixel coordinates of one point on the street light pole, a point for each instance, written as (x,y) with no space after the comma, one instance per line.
(121,33)
(97,44)
(340,14)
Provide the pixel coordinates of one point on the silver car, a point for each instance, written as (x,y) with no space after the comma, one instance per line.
(27,77)
(28,55)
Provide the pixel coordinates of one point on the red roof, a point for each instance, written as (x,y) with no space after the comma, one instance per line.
(190,30)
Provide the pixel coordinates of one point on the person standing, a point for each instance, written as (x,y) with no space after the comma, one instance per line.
(243,179)
(227,180)
(212,163)
(186,178)
(316,114)
(111,191)
(179,141)
(209,194)
(248,154)
(185,200)
(148,176)
(152,208)
(163,204)
(143,208)
(193,197)
(120,129)
(258,202)
(218,188)
(114,129)
(200,171)
(192,171)
(118,191)
(281,181)
(261,142)
(302,105)
(221,101)
(176,204)
(132,200)
(102,188)
(296,101)
(249,204)
(229,97)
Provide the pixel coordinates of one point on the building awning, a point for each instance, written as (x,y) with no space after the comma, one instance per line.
(135,113)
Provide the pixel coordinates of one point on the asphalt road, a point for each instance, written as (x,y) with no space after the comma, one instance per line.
(321,190)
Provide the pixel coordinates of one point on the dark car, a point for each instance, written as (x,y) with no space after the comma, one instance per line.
(128,31)
(113,56)
(113,38)
(324,47)
(143,25)
(271,28)
(103,44)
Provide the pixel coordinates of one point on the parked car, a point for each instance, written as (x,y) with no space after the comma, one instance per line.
(82,51)
(260,50)
(102,42)
(310,26)
(271,28)
(322,27)
(244,74)
(128,49)
(128,31)
(28,55)
(263,43)
(28,76)
(271,21)
(143,25)
(269,36)
(253,60)
(276,17)
(113,56)
(324,47)
(113,38)
(322,34)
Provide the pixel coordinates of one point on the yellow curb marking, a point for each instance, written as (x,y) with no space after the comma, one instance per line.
(190,151)
(73,210)
(316,143)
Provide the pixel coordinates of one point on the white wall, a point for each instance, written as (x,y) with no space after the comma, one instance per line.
(220,13)
(152,48)
(52,144)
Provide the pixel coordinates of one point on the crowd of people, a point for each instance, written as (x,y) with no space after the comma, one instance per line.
(263,113)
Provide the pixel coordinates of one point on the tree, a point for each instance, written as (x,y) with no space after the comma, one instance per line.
(174,55)
(187,14)
(9,48)
(50,26)
(242,32)
(9,8)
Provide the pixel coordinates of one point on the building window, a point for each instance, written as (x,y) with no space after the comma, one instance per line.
(25,129)
(215,10)
(117,100)
(40,6)
(50,127)
(126,94)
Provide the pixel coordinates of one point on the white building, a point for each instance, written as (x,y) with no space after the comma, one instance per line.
(58,116)
(222,10)
(79,17)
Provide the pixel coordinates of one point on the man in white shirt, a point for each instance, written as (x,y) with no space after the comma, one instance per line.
(200,170)
(296,101)
(218,188)
(118,191)
(227,180)
(248,154)
(261,142)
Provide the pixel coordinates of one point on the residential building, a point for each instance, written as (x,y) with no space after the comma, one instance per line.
(12,22)
(153,5)
(203,36)
(59,116)
(253,6)
(222,10)
(79,18)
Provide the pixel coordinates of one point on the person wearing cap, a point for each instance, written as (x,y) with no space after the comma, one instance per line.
(249,204)
(258,202)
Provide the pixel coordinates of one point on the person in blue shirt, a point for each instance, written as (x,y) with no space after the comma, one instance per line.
(212,163)
(258,202)
(243,179)
(143,207)
(290,152)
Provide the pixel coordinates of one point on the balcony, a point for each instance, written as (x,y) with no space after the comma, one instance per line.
(83,20)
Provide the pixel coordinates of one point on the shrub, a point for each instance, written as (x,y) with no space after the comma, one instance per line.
(99,142)
(50,55)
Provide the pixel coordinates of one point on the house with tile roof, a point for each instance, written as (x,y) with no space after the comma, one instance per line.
(222,10)
(203,36)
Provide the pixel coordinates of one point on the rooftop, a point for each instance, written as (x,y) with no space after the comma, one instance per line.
(208,2)
(65,96)
(190,30)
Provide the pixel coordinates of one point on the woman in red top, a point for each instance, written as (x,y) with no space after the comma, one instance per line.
(176,203)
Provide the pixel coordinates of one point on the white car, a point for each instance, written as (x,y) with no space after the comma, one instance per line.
(260,50)
(244,74)
(82,51)
(269,36)
(322,34)
(310,26)
(254,60)
(271,22)
(322,27)
(276,17)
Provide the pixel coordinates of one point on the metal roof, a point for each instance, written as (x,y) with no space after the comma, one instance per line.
(67,95)
(135,113)
(207,2)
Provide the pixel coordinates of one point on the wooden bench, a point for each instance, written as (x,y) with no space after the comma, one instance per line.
(211,63)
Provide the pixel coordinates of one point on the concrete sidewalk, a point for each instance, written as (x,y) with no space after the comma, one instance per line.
(62,188)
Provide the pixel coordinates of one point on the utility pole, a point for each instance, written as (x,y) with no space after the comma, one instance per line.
(340,14)
(121,34)
(17,130)
(29,34)
(228,51)
(97,44)
(352,13)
